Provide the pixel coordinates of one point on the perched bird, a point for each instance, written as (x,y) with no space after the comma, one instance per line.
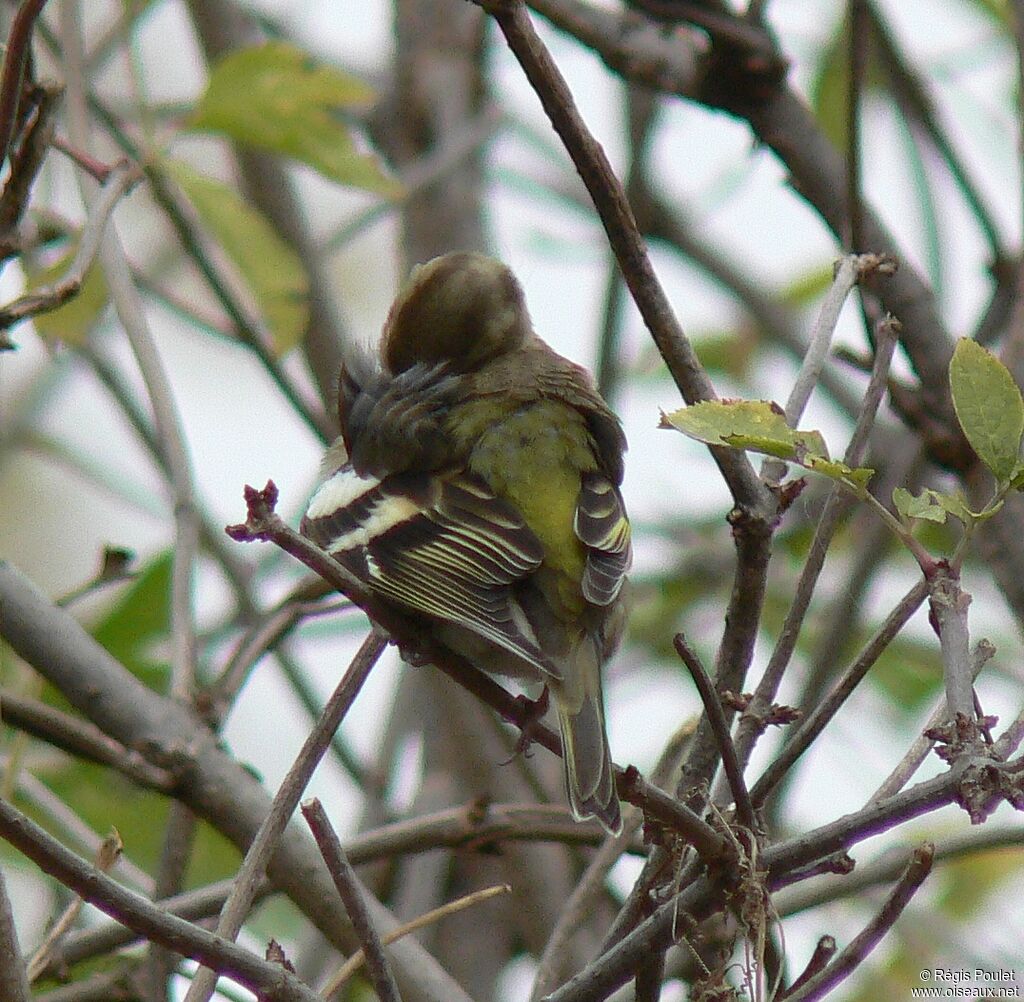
(476,486)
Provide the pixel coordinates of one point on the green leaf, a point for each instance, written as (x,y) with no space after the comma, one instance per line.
(988,406)
(271,269)
(72,322)
(809,287)
(830,90)
(923,505)
(141,617)
(280,99)
(755,425)
(760,426)
(857,477)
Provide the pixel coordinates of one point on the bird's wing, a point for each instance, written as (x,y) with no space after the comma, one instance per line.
(444,546)
(394,423)
(602,526)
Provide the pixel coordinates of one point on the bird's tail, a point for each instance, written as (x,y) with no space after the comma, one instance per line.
(589,778)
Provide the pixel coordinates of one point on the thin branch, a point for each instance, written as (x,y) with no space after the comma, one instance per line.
(751,725)
(49,297)
(852,269)
(108,854)
(812,725)
(591,884)
(250,874)
(237,573)
(1009,740)
(145,918)
(824,951)
(343,973)
(948,603)
(703,896)
(347,883)
(796,853)
(918,752)
(104,938)
(753,541)
(620,226)
(858,53)
(205,255)
(19,41)
(170,433)
(80,738)
(914,96)
(887,868)
(32,148)
(211,782)
(848,960)
(13,975)
(54,811)
(418,175)
(711,699)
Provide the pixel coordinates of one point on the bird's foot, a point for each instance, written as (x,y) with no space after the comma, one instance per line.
(533,713)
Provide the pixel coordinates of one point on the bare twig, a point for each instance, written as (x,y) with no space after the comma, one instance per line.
(848,960)
(343,973)
(53,811)
(27,159)
(347,883)
(858,50)
(211,782)
(143,916)
(918,751)
(591,885)
(887,868)
(128,305)
(207,258)
(15,59)
(752,723)
(824,951)
(109,851)
(812,725)
(80,738)
(43,300)
(13,977)
(249,876)
(100,939)
(948,603)
(850,271)
(711,699)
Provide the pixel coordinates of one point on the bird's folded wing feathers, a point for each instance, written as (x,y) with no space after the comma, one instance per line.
(602,526)
(443,546)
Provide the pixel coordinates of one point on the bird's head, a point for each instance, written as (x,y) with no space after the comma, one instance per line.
(463,309)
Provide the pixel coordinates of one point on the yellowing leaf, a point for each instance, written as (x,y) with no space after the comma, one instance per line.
(756,425)
(271,269)
(988,406)
(71,322)
(280,99)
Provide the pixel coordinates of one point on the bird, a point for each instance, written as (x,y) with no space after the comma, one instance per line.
(476,486)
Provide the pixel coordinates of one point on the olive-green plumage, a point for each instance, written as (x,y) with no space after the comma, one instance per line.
(479,488)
